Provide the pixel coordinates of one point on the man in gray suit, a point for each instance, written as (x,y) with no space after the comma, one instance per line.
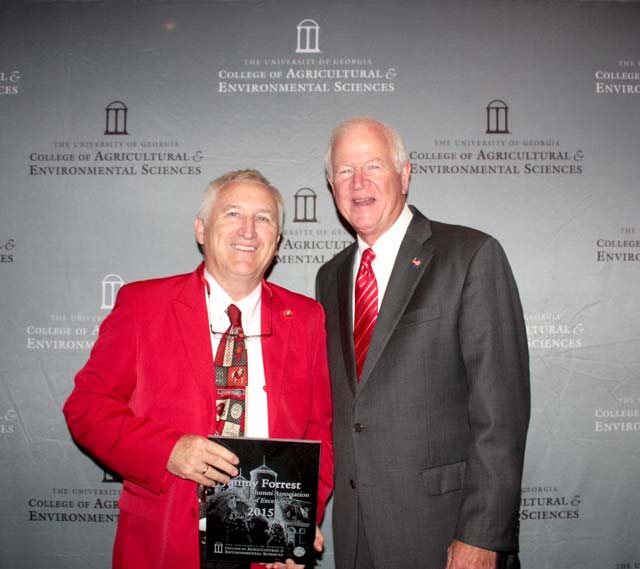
(431,406)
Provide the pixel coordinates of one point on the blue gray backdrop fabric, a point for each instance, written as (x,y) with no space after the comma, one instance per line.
(521,119)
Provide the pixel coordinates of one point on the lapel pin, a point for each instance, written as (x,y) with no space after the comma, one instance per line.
(416,262)
(288,313)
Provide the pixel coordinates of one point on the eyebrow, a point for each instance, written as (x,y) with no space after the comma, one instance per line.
(236,206)
(349,164)
(375,158)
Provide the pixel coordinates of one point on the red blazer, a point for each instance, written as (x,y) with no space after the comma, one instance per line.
(149,380)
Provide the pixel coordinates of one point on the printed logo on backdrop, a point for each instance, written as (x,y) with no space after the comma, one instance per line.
(9,82)
(8,420)
(621,247)
(621,418)
(496,152)
(117,153)
(7,250)
(497,117)
(553,331)
(308,243)
(547,502)
(307,69)
(621,79)
(110,286)
(75,331)
(116,118)
(305,210)
(96,505)
(308,37)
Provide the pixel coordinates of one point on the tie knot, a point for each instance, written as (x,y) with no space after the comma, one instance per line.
(235,316)
(367,257)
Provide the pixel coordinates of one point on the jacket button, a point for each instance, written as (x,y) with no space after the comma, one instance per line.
(359,427)
(352,483)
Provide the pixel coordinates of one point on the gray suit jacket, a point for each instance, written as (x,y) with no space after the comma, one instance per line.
(431,441)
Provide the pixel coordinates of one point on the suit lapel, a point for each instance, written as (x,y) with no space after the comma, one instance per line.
(414,256)
(345,309)
(277,316)
(191,313)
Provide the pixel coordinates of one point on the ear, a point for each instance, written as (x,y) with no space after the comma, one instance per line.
(198,229)
(405,176)
(330,182)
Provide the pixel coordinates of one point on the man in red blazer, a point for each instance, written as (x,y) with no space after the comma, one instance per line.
(144,403)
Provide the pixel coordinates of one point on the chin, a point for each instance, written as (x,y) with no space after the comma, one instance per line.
(364,228)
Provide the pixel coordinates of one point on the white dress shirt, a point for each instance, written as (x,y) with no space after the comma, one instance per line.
(386,250)
(257,419)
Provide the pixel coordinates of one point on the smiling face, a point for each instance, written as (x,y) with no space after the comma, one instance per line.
(369,191)
(240,236)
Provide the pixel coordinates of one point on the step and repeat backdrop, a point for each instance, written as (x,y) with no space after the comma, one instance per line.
(521,119)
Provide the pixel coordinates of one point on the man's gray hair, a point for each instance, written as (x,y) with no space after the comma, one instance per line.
(248,175)
(394,140)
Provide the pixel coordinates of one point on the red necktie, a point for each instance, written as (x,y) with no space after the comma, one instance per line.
(231,378)
(366,310)
(231,385)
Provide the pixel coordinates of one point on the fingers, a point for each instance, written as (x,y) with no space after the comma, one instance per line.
(318,542)
(197,458)
(220,458)
(210,477)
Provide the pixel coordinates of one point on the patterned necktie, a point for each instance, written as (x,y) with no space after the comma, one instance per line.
(366,311)
(231,385)
(231,378)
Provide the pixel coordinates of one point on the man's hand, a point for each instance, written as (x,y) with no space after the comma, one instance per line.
(197,458)
(464,556)
(318,545)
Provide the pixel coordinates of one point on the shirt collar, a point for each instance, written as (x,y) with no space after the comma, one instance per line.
(249,306)
(387,245)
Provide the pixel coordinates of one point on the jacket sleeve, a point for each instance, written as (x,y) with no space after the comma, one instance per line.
(321,418)
(494,349)
(98,411)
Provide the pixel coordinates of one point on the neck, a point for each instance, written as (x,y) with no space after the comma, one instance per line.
(236,287)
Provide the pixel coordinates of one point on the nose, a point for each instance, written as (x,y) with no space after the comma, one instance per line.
(358,179)
(248,227)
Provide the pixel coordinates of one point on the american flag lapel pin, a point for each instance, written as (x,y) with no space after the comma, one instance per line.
(416,262)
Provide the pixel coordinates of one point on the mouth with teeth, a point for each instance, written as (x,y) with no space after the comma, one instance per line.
(245,248)
(363,201)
